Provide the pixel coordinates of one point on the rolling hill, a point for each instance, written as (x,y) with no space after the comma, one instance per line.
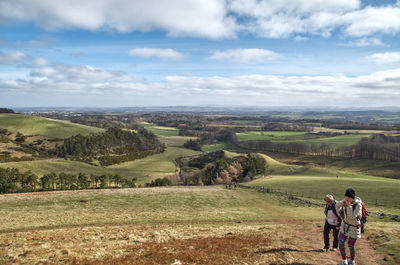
(34,125)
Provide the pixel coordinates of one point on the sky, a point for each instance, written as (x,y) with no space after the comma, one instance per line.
(262,53)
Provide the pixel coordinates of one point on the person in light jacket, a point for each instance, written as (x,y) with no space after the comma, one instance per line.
(351,226)
(332,222)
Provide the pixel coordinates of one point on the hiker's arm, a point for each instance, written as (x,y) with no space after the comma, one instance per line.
(355,215)
(338,206)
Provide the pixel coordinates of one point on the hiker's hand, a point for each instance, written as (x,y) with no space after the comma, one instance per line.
(337,227)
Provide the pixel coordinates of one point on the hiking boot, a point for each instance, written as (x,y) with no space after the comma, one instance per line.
(325,249)
(344,262)
(334,249)
(352,262)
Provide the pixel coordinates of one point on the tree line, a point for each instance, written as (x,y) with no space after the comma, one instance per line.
(12,181)
(377,147)
(111,147)
(6,110)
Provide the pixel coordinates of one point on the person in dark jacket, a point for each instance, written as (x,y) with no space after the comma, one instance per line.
(332,222)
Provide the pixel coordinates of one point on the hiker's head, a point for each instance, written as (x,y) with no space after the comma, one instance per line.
(329,199)
(350,195)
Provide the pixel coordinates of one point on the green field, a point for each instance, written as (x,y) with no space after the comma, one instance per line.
(315,182)
(162,130)
(300,137)
(214,147)
(34,125)
(154,166)
(145,170)
(337,140)
(268,135)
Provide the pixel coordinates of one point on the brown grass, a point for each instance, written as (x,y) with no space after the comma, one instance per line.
(282,238)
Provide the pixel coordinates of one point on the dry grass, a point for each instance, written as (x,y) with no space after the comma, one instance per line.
(184,243)
(176,225)
(13,149)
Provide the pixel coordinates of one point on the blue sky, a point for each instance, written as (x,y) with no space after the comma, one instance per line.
(96,53)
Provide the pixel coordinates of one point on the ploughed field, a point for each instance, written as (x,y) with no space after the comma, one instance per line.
(181,225)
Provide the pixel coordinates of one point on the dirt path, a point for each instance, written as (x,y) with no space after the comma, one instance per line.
(365,254)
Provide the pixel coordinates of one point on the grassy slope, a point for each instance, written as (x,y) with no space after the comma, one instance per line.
(144,170)
(102,226)
(173,204)
(316,182)
(33,125)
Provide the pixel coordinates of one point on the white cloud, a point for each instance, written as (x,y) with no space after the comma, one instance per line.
(48,78)
(210,19)
(372,20)
(57,78)
(245,55)
(281,19)
(41,42)
(178,18)
(165,54)
(363,42)
(12,58)
(300,38)
(384,58)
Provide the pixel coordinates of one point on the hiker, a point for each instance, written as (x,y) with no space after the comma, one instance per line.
(332,222)
(350,228)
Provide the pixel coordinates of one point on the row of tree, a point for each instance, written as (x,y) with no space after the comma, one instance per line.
(159,182)
(12,180)
(377,147)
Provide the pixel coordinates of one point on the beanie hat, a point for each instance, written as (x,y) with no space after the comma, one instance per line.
(350,193)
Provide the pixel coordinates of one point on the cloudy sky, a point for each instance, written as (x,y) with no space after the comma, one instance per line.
(115,53)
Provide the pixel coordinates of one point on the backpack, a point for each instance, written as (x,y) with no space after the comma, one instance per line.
(363,215)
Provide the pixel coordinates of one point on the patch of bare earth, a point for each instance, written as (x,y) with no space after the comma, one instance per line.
(183,243)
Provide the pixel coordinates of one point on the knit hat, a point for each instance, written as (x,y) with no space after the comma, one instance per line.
(350,193)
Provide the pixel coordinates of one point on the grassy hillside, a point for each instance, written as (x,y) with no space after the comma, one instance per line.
(195,225)
(34,125)
(145,170)
(315,182)
(154,166)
